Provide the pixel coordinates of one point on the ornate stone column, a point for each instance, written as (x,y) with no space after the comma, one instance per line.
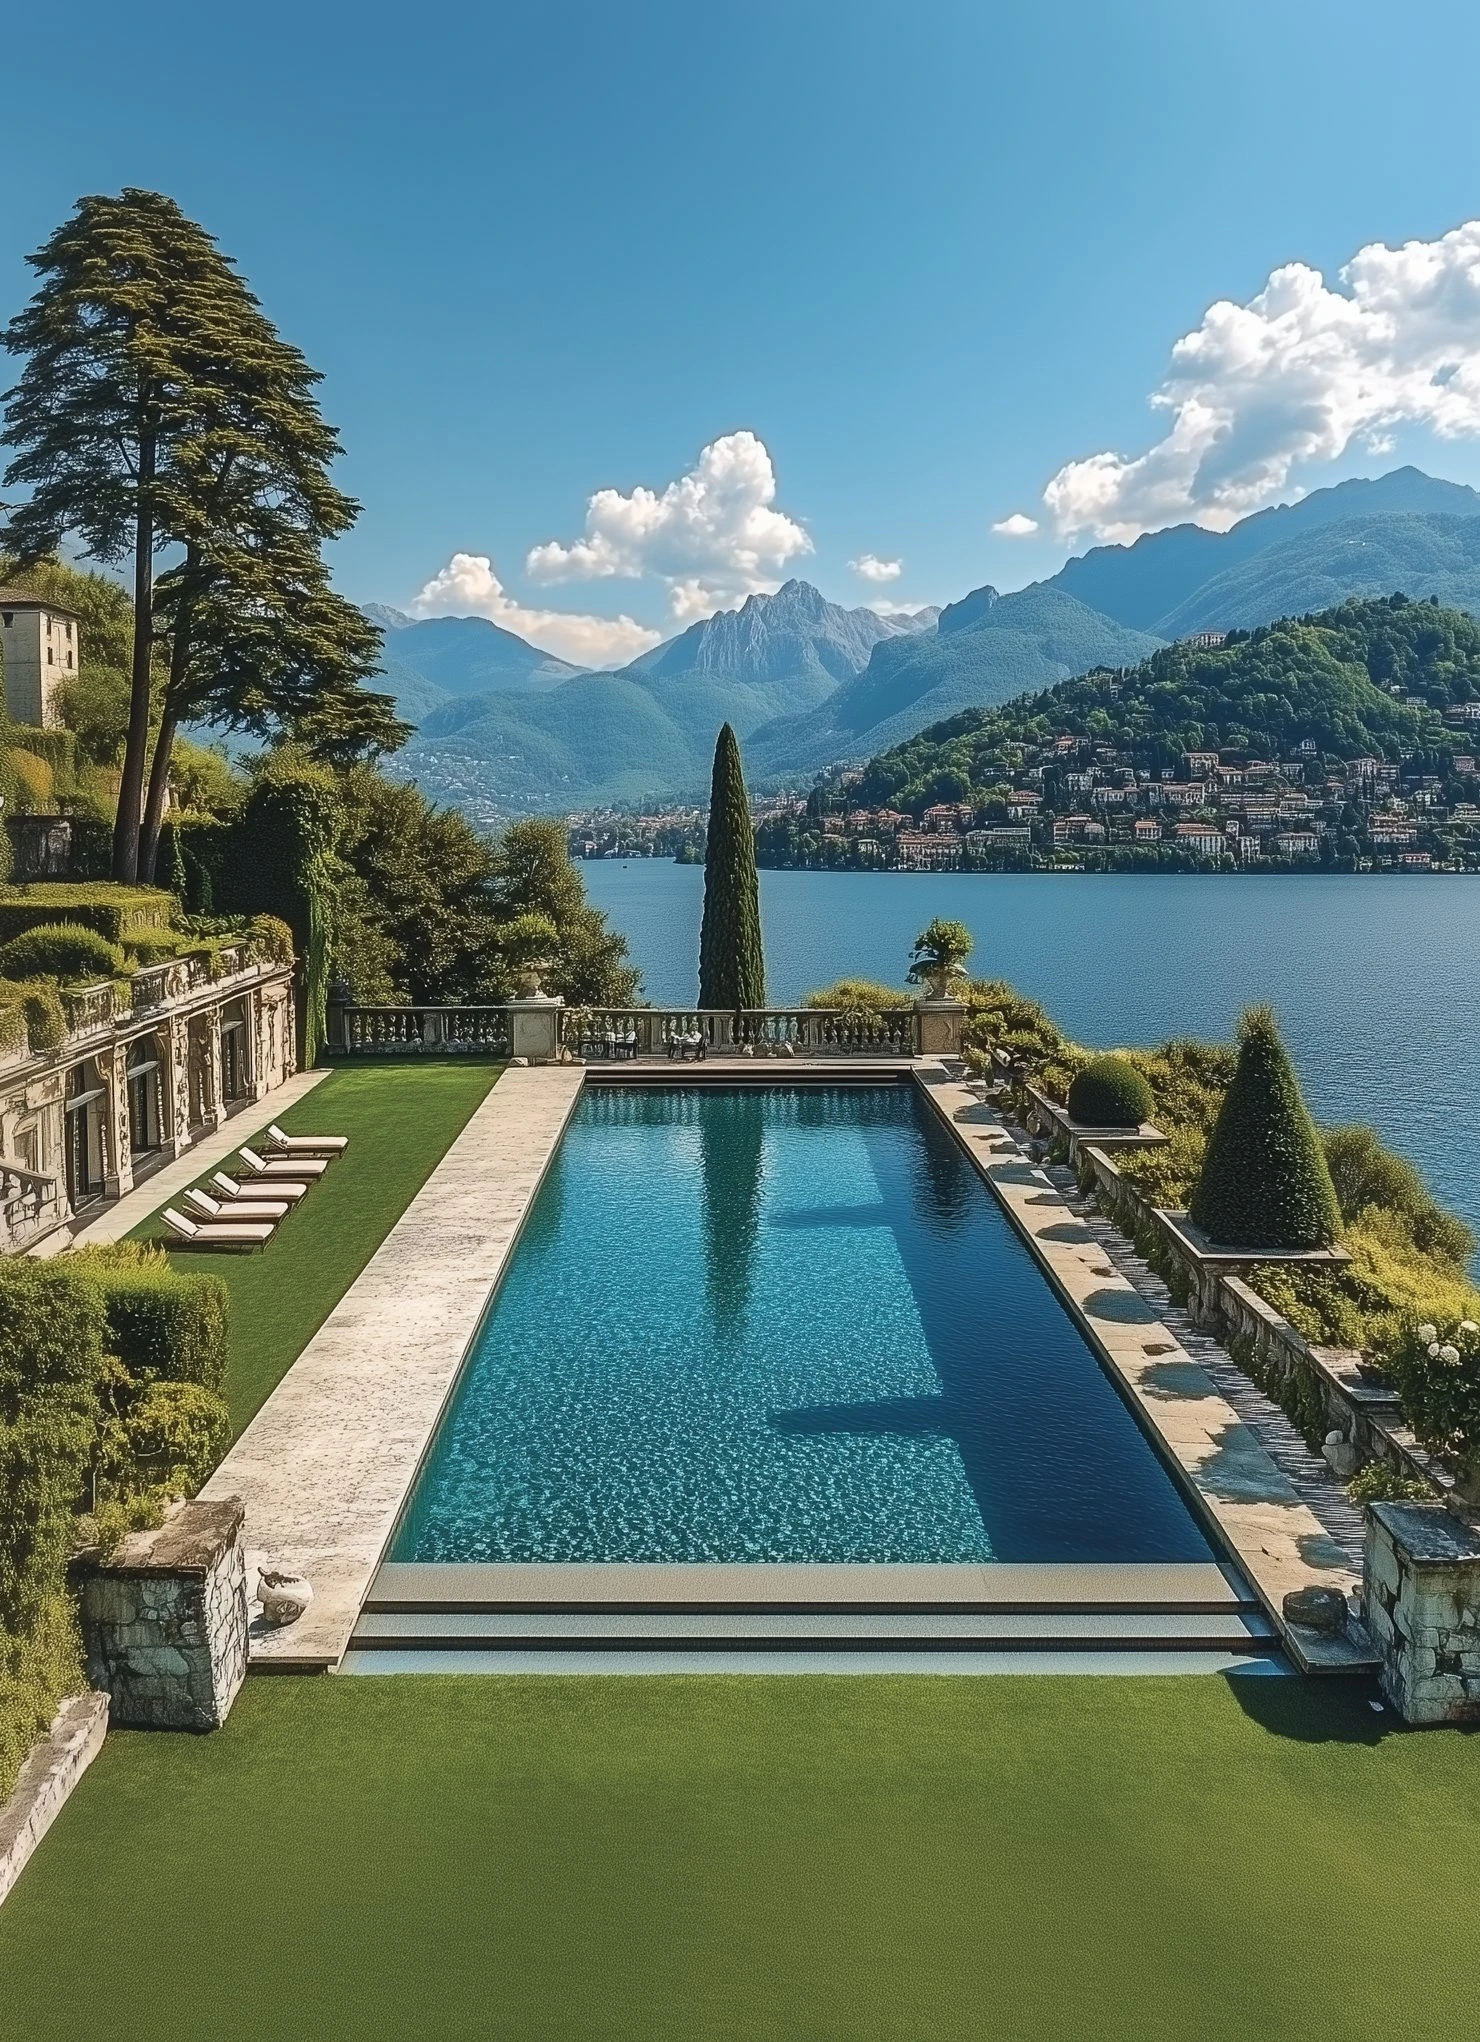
(256,1029)
(216,1107)
(118,1166)
(174,1083)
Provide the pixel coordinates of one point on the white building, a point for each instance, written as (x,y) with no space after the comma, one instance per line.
(39,643)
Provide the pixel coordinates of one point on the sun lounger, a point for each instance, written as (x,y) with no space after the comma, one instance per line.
(240,1235)
(279,1188)
(302,1167)
(328,1145)
(215,1212)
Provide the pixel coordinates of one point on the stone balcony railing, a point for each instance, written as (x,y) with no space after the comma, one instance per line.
(670,1033)
(95,1012)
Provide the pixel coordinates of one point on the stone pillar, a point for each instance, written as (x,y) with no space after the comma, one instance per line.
(165,1620)
(174,1083)
(257,1083)
(938,1027)
(1421,1605)
(118,1163)
(216,1110)
(535,1027)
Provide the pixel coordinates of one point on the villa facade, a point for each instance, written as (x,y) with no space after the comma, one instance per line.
(143,1071)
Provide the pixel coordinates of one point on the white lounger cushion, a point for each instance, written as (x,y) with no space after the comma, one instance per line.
(240,1234)
(232,1210)
(301,1166)
(308,1144)
(280,1188)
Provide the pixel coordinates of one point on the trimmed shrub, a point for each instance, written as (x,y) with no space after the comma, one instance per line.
(116,912)
(157,1441)
(1264,1181)
(1110,1093)
(163,1325)
(34,781)
(31,1008)
(61,950)
(51,1362)
(58,748)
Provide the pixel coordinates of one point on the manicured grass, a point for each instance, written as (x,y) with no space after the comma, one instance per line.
(864,1858)
(401,1119)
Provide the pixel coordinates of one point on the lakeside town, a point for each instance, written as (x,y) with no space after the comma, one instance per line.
(1075,805)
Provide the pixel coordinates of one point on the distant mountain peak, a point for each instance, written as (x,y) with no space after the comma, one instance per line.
(970,610)
(387,618)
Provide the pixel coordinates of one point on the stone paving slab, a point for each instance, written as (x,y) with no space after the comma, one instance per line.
(1277,1540)
(328,1461)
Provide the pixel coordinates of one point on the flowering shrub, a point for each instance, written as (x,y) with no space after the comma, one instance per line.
(1437,1371)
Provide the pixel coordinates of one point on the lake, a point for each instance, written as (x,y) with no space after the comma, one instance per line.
(1373,978)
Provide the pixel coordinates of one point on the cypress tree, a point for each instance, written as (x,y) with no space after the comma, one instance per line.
(1264,1181)
(732,965)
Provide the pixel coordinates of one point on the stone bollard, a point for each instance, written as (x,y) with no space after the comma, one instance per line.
(164,1620)
(1421,1605)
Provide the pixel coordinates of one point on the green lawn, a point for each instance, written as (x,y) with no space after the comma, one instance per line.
(401,1119)
(856,1857)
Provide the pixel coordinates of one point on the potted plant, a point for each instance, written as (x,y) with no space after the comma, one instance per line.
(941,950)
(526,944)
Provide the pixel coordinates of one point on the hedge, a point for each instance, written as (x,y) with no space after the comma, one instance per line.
(68,951)
(163,1325)
(115,912)
(34,781)
(52,1327)
(57,747)
(31,1011)
(1109,1093)
(1264,1181)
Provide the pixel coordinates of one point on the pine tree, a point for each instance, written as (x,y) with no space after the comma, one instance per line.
(732,965)
(159,409)
(1264,1181)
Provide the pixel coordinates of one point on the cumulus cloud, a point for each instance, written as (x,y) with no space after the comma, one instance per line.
(712,537)
(1018,526)
(869,567)
(468,587)
(1296,375)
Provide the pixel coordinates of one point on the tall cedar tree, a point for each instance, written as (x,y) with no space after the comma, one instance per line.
(732,964)
(158,409)
(1264,1180)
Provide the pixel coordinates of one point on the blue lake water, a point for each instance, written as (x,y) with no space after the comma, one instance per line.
(786,1323)
(1374,979)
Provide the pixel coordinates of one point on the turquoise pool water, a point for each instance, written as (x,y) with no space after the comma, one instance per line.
(781,1323)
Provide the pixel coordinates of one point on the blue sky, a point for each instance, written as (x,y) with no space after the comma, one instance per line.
(924,258)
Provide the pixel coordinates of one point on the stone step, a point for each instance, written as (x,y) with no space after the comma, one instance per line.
(825,1630)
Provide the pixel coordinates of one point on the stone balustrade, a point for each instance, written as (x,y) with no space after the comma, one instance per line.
(925,1028)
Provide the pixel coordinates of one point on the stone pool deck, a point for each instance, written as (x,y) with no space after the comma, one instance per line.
(326,1464)
(1275,1537)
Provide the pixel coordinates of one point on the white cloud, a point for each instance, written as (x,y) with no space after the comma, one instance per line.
(712,536)
(1296,375)
(869,567)
(468,587)
(1018,526)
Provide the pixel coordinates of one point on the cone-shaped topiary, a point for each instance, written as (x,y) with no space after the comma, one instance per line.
(1109,1093)
(732,965)
(1264,1180)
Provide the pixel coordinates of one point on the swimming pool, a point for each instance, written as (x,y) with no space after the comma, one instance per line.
(781,1323)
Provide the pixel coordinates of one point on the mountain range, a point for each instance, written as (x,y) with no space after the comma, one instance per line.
(506,729)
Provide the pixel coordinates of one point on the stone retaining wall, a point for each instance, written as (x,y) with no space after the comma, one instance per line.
(1326,1389)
